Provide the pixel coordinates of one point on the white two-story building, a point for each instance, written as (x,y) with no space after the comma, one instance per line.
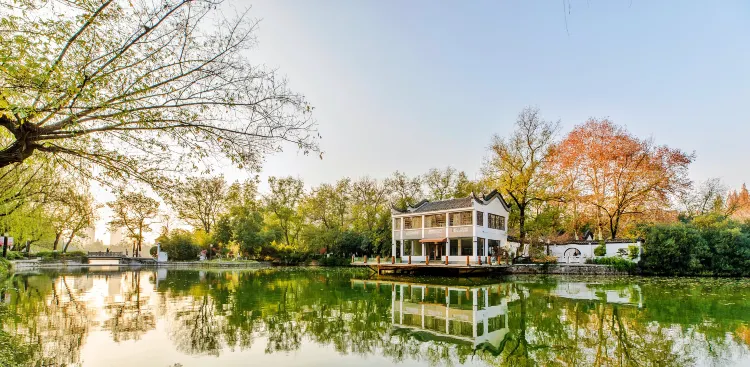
(471,226)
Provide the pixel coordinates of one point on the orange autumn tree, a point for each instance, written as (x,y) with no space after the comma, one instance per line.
(615,174)
(738,203)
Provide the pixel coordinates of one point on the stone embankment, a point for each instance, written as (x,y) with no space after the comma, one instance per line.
(568,269)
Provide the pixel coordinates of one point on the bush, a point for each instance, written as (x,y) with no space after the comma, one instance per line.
(633,251)
(4,268)
(152,251)
(15,255)
(55,255)
(179,245)
(601,250)
(335,261)
(674,249)
(615,262)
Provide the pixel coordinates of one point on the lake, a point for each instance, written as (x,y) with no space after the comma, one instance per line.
(345,317)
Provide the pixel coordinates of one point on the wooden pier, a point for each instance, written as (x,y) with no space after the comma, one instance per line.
(434,269)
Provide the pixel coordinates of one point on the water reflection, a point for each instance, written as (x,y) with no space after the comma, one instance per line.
(201,318)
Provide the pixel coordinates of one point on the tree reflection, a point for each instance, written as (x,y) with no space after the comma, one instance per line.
(550,322)
(131,317)
(47,318)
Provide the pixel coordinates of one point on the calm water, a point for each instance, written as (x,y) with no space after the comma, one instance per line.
(340,317)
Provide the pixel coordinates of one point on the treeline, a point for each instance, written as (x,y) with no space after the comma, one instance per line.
(597,178)
(292,223)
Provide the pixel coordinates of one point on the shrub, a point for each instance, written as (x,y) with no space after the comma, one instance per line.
(601,250)
(633,251)
(335,261)
(152,251)
(74,254)
(15,255)
(671,249)
(615,262)
(4,268)
(179,245)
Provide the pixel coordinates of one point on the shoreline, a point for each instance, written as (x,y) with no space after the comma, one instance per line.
(31,265)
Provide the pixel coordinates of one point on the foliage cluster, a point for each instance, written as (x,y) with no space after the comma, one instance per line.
(4,268)
(616,262)
(600,250)
(705,245)
(180,245)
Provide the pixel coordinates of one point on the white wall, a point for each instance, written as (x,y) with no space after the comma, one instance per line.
(587,250)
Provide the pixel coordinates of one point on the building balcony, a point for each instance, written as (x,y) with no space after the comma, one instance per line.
(434,232)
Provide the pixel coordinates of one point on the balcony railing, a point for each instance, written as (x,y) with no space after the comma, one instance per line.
(434,232)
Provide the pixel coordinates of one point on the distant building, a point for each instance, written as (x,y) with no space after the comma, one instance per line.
(116,236)
(90,234)
(456,228)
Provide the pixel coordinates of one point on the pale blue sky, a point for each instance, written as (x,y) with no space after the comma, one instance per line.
(409,85)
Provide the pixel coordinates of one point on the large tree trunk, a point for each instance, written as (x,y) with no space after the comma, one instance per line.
(23,146)
(57,240)
(614,224)
(522,228)
(70,239)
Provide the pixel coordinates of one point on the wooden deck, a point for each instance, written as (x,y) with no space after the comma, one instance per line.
(452,269)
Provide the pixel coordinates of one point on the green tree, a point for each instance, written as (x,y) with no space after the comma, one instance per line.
(139,89)
(70,210)
(180,245)
(517,165)
(441,184)
(135,212)
(199,201)
(404,190)
(369,211)
(283,202)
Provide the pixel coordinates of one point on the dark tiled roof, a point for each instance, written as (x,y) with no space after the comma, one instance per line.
(444,205)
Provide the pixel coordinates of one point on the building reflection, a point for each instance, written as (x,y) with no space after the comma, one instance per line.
(479,316)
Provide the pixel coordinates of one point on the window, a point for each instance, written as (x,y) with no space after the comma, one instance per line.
(454,247)
(413,223)
(435,220)
(407,247)
(480,219)
(461,219)
(466,247)
(466,219)
(416,248)
(493,247)
(495,221)
(480,246)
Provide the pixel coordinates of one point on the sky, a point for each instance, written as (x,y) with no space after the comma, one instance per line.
(411,85)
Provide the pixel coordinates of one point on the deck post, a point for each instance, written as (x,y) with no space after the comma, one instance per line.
(365,260)
(393,259)
(446,259)
(409,259)
(467,261)
(378,259)
(427,259)
(489,260)
(479,260)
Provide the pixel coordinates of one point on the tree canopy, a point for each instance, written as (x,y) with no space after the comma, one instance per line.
(140,89)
